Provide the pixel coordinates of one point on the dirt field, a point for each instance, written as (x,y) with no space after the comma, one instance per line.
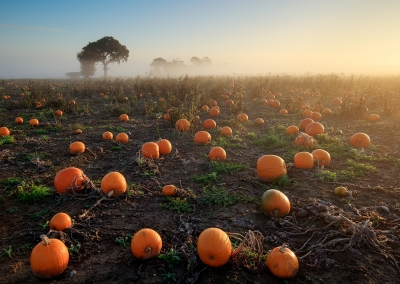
(351,239)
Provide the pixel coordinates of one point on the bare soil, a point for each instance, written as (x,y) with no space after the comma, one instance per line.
(338,240)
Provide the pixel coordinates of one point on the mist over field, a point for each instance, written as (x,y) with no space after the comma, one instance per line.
(253,37)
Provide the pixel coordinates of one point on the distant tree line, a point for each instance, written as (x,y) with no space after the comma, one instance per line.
(160,66)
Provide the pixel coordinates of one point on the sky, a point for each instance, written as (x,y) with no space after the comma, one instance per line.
(40,39)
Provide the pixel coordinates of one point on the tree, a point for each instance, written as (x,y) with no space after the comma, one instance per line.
(88,61)
(196,61)
(106,50)
(206,60)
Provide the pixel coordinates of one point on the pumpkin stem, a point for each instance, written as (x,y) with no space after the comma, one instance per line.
(148,249)
(111,192)
(45,239)
(283,248)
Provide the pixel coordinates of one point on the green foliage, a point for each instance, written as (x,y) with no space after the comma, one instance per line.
(172,258)
(116,148)
(6,140)
(169,276)
(39,214)
(279,183)
(354,170)
(74,248)
(124,241)
(178,204)
(229,142)
(219,196)
(205,179)
(8,251)
(30,193)
(226,167)
(11,182)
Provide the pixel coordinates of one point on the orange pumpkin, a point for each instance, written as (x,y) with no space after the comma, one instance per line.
(315,116)
(4,131)
(205,108)
(124,117)
(341,191)
(146,243)
(337,101)
(275,104)
(214,112)
(33,122)
(283,112)
(282,262)
(58,112)
(113,183)
(202,137)
(169,190)
(76,147)
(315,128)
(303,139)
(229,102)
(107,135)
(270,167)
(69,180)
(182,124)
(304,160)
(60,222)
(49,258)
(307,113)
(360,140)
(373,117)
(150,150)
(322,157)
(122,138)
(326,111)
(167,116)
(259,121)
(292,129)
(217,153)
(226,131)
(209,124)
(78,131)
(275,203)
(214,247)
(304,123)
(19,120)
(243,118)
(164,146)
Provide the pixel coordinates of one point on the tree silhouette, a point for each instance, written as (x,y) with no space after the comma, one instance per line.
(106,50)
(196,61)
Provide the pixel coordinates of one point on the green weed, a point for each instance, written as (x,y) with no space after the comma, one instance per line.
(124,241)
(180,205)
(6,140)
(226,167)
(172,258)
(30,193)
(205,179)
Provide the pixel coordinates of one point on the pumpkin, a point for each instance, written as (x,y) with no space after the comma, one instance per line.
(305,107)
(182,124)
(164,146)
(205,108)
(78,131)
(169,190)
(73,102)
(4,131)
(146,243)
(229,102)
(107,135)
(270,167)
(69,180)
(243,117)
(304,123)
(217,107)
(307,113)
(322,157)
(214,247)
(304,160)
(360,140)
(275,104)
(124,117)
(326,111)
(150,150)
(283,111)
(213,103)
(337,101)
(214,112)
(113,184)
(58,112)
(209,124)
(167,116)
(33,122)
(341,191)
(49,258)
(226,131)
(217,153)
(60,222)
(19,120)
(275,203)
(303,139)
(373,117)
(315,128)
(315,115)
(122,138)
(202,137)
(76,147)
(282,262)
(259,121)
(292,129)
